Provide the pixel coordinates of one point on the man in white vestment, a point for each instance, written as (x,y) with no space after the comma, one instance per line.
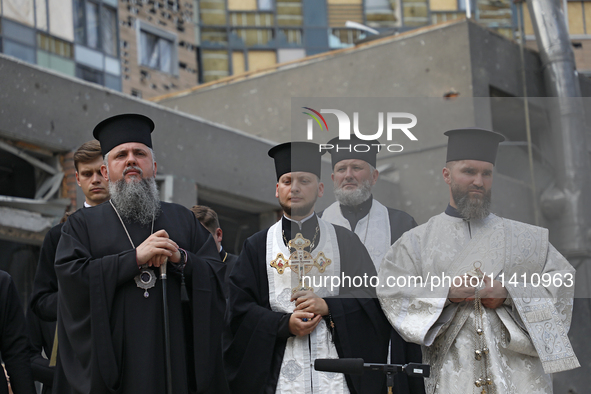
(489,299)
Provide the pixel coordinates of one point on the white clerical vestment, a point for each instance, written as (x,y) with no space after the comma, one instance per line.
(297,374)
(526,337)
(373,229)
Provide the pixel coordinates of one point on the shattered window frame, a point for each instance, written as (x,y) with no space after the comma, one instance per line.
(48,205)
(163,54)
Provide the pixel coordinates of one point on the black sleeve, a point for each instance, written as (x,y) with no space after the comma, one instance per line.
(42,372)
(14,343)
(44,296)
(361,329)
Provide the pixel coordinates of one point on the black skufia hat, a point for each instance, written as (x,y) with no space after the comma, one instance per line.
(120,129)
(295,157)
(345,150)
(473,144)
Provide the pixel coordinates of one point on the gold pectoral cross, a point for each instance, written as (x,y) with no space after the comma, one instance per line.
(300,261)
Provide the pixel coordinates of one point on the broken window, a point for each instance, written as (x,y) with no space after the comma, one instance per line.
(157,49)
(30,202)
(343,38)
(95,26)
(382,13)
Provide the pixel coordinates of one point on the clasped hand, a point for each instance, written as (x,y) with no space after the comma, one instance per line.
(309,307)
(492,295)
(155,250)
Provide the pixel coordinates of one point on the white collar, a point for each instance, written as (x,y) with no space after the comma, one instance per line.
(87,205)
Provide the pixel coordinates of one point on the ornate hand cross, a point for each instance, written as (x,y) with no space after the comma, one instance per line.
(300,261)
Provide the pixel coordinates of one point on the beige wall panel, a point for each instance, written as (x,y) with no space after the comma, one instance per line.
(237,62)
(41,18)
(242,5)
(583,56)
(527,25)
(344,2)
(576,24)
(443,5)
(261,59)
(338,15)
(61,16)
(20,11)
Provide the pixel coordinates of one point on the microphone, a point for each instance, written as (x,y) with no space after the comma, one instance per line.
(351,366)
(356,366)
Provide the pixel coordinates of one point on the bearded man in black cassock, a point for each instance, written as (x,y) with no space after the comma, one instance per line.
(110,313)
(279,322)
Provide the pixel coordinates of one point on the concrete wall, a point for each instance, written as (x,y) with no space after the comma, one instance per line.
(59,113)
(409,66)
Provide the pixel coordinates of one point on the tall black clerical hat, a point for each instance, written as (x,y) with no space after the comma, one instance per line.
(120,129)
(354,148)
(473,144)
(295,157)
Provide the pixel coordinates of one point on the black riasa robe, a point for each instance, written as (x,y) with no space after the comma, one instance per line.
(111,338)
(44,295)
(256,336)
(41,335)
(14,344)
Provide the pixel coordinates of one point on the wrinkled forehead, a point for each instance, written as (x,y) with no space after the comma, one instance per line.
(129,146)
(351,163)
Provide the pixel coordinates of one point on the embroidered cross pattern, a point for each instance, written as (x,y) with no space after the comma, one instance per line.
(300,261)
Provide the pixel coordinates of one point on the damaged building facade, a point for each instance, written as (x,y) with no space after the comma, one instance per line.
(211,141)
(149,48)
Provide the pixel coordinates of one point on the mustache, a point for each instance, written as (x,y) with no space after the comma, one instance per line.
(476,188)
(135,168)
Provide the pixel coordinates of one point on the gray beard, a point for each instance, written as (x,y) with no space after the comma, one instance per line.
(353,197)
(136,201)
(471,209)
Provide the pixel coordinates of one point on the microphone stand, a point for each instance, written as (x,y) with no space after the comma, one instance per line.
(356,366)
(390,370)
(166,329)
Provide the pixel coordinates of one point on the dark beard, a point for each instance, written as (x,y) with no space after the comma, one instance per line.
(471,208)
(136,201)
(300,211)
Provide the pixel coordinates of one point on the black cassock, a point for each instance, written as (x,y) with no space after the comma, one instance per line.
(111,338)
(41,335)
(256,336)
(44,295)
(402,352)
(14,343)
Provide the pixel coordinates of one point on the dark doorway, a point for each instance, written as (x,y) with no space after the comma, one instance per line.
(237,225)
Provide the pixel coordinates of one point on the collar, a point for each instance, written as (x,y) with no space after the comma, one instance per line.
(451,211)
(300,223)
(223,255)
(87,205)
(355,213)
(361,209)
(308,229)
